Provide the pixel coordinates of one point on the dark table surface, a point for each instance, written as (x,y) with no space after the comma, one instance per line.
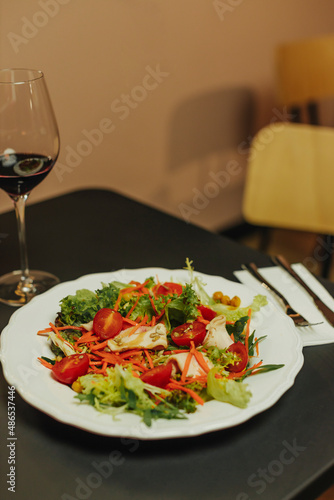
(96,231)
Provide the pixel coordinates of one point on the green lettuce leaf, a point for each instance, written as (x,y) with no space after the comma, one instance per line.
(79,308)
(120,391)
(237,329)
(182,308)
(108,294)
(228,390)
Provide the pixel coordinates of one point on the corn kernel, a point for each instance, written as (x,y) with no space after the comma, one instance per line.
(76,386)
(217,296)
(235,301)
(226,300)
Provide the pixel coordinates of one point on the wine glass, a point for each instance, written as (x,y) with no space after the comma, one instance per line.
(29,147)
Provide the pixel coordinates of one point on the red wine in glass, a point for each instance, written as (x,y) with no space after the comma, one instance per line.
(29,147)
(20,173)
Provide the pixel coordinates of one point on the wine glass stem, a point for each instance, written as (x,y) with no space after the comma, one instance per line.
(20,204)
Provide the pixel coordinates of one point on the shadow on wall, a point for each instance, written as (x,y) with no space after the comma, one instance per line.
(207,157)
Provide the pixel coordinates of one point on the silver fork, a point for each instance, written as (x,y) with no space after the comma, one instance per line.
(297,318)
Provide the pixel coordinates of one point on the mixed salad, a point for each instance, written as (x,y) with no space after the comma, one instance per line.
(155,349)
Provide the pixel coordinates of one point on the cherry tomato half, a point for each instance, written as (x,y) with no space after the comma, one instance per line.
(240,350)
(158,376)
(207,312)
(184,334)
(169,288)
(107,323)
(70,368)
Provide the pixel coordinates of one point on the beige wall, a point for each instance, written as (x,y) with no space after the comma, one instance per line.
(95,52)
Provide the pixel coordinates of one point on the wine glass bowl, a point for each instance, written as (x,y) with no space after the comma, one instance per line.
(29,147)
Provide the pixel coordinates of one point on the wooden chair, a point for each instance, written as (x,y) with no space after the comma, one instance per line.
(290,179)
(305,76)
(305,85)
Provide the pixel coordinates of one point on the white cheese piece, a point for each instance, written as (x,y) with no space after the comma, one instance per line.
(88,326)
(66,347)
(145,337)
(217,334)
(194,369)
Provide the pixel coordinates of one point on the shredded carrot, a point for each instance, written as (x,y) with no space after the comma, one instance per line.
(202,379)
(139,286)
(100,345)
(70,328)
(200,359)
(202,320)
(130,321)
(149,359)
(129,354)
(56,331)
(91,369)
(108,356)
(155,287)
(87,337)
(153,305)
(45,330)
(232,337)
(118,301)
(257,347)
(193,394)
(48,330)
(253,368)
(139,367)
(141,323)
(45,363)
(176,351)
(244,372)
(92,356)
(186,366)
(133,307)
(96,370)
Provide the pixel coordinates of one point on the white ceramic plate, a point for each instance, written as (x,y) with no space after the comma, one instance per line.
(20,347)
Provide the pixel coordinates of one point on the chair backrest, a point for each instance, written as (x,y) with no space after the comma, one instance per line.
(290,178)
(305,70)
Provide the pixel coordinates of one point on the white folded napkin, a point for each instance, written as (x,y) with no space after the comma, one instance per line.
(298,299)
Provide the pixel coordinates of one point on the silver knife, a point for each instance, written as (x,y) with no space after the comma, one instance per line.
(279,260)
(297,318)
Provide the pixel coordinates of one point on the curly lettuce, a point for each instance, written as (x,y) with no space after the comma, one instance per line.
(228,390)
(120,392)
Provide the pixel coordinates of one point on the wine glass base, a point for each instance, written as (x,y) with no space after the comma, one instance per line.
(15,290)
